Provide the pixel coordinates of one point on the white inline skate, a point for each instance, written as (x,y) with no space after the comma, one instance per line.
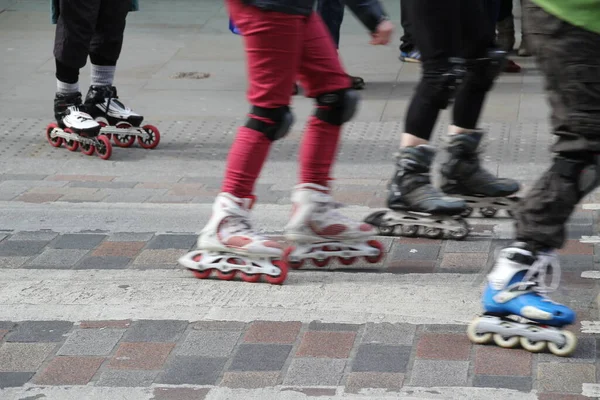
(76,128)
(517,310)
(119,121)
(318,232)
(228,246)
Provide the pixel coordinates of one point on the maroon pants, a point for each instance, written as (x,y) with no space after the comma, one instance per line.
(280,49)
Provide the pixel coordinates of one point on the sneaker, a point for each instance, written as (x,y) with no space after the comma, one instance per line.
(412,56)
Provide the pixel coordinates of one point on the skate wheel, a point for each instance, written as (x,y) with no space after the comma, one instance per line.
(321,263)
(225,276)
(347,261)
(386,230)
(507,343)
(87,149)
(534,347)
(460,233)
(433,233)
(153,137)
(123,140)
(379,246)
(566,349)
(56,141)
(291,264)
(278,280)
(488,212)
(103,147)
(478,337)
(410,230)
(251,278)
(201,274)
(71,145)
(467,212)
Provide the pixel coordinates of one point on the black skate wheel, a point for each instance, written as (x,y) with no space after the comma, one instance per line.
(460,233)
(153,137)
(467,212)
(433,233)
(488,212)
(386,230)
(410,230)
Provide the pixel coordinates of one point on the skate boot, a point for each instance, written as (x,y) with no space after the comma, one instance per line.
(118,120)
(516,288)
(463,176)
(228,245)
(416,206)
(317,231)
(76,128)
(358,83)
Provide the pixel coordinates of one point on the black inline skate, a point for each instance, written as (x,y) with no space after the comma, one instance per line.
(119,121)
(76,128)
(463,176)
(417,208)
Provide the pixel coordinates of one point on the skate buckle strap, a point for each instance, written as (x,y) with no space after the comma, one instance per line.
(535,278)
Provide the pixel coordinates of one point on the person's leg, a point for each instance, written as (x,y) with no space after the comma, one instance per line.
(506,26)
(568,57)
(524,50)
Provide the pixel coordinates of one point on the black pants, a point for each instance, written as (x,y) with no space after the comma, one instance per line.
(407,43)
(568,57)
(332,12)
(90,27)
(444,29)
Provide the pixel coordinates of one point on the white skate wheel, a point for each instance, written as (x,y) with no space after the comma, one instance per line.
(478,337)
(534,347)
(566,349)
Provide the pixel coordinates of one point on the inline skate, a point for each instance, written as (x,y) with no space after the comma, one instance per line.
(229,246)
(76,128)
(318,232)
(516,309)
(416,207)
(119,121)
(463,176)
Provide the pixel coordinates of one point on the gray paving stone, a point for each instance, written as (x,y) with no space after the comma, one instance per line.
(22,177)
(77,241)
(14,379)
(320,326)
(564,377)
(57,258)
(155,331)
(260,357)
(39,236)
(21,248)
(91,342)
(184,242)
(129,237)
(439,373)
(416,252)
(6,325)
(13,262)
(39,331)
(102,185)
(3,236)
(192,371)
(381,358)
(577,262)
(386,333)
(585,351)
(468,246)
(219,326)
(104,262)
(209,343)
(24,357)
(127,378)
(315,372)
(521,383)
(443,328)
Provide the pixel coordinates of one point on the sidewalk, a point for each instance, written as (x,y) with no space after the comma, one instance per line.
(94,306)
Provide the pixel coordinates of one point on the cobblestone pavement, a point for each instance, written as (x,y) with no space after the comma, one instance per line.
(94,306)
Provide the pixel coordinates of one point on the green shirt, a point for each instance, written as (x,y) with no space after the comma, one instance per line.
(582,13)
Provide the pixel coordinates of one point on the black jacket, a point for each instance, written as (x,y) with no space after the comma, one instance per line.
(369,12)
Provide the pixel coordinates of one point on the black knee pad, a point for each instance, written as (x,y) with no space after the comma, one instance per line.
(482,72)
(337,107)
(440,82)
(281,117)
(583,169)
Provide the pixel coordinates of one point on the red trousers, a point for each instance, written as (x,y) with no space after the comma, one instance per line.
(280,49)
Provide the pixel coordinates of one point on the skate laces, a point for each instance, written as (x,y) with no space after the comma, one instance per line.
(329,207)
(238,223)
(535,278)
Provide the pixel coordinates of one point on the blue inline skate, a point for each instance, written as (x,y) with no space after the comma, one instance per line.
(516,309)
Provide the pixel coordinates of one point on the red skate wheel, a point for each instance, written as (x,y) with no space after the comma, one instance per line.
(347,261)
(201,274)
(104,149)
(153,137)
(56,141)
(278,280)
(286,258)
(87,149)
(321,263)
(375,259)
(123,140)
(225,276)
(71,145)
(250,278)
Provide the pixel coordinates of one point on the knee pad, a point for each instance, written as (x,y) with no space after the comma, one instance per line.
(584,171)
(440,82)
(281,119)
(482,72)
(337,107)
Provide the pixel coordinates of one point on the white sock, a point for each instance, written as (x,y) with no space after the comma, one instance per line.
(63,87)
(103,75)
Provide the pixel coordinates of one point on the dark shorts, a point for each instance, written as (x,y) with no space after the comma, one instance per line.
(90,26)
